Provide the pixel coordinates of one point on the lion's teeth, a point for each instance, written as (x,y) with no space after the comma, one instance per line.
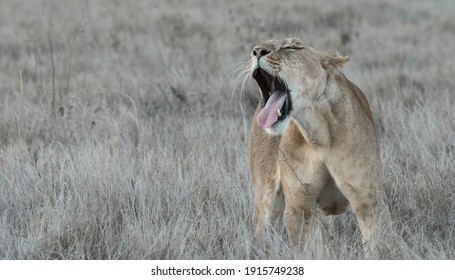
(279,113)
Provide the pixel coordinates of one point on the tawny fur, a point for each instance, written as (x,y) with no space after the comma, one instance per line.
(327,155)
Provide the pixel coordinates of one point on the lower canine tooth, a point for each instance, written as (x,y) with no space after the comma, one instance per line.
(279,113)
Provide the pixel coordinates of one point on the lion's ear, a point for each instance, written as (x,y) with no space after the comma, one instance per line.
(334,63)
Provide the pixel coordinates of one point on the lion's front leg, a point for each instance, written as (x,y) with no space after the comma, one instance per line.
(360,180)
(268,205)
(268,193)
(298,214)
(375,223)
(297,221)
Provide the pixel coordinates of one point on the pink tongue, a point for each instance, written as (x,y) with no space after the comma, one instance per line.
(268,115)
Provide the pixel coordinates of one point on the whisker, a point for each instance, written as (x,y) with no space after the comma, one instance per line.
(242,90)
(240,76)
(290,76)
(232,76)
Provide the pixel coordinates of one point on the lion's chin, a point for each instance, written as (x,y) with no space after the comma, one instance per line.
(279,128)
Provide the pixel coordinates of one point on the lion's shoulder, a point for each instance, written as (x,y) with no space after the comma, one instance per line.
(350,88)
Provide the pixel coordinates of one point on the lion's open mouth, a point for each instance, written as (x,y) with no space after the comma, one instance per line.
(276,101)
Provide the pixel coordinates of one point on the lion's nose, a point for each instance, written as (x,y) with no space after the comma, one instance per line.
(259,51)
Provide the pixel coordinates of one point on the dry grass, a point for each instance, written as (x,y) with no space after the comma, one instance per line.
(120,138)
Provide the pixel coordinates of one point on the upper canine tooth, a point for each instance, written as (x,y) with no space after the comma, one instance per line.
(278,111)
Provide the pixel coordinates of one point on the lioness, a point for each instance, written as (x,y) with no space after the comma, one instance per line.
(313,142)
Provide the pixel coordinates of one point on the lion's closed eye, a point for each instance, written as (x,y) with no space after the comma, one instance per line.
(292,48)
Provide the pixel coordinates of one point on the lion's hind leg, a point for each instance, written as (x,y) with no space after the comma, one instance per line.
(331,200)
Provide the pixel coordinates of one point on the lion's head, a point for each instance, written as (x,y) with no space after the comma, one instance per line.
(290,75)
